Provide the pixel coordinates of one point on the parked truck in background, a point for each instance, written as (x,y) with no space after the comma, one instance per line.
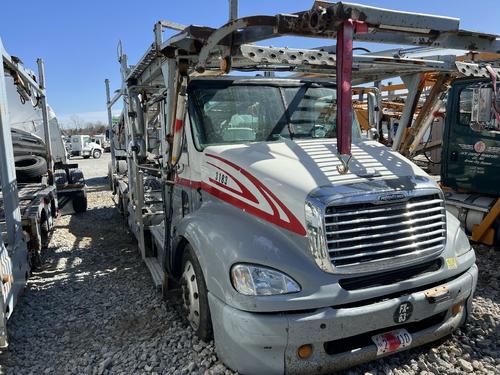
(470,158)
(297,243)
(452,131)
(103,141)
(86,146)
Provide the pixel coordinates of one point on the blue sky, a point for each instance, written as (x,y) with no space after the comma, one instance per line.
(78,39)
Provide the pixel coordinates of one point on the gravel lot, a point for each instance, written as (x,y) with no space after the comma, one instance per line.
(92,309)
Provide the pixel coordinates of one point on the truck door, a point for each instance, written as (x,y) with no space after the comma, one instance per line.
(184,187)
(471,154)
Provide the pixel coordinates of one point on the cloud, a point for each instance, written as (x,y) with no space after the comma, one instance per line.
(66,119)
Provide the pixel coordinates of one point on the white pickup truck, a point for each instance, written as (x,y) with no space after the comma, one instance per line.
(86,146)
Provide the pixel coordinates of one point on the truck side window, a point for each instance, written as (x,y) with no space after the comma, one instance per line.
(465,106)
(466,99)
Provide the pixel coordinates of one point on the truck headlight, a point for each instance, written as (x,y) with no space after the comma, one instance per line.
(316,237)
(462,244)
(254,280)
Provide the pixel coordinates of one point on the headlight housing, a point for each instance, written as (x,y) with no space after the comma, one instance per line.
(462,244)
(254,280)
(316,237)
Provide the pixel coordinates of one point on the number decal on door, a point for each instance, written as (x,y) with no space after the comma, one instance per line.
(222,178)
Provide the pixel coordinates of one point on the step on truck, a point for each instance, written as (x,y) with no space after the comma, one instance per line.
(297,242)
(36,182)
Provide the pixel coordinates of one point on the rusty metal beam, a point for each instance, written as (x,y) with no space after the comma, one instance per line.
(414,83)
(344,89)
(426,115)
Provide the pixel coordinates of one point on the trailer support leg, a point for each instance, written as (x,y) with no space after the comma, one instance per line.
(343,49)
(344,90)
(110,127)
(45,115)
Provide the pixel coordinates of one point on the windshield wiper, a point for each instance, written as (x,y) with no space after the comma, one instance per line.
(286,118)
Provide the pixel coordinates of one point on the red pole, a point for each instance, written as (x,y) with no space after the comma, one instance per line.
(344,89)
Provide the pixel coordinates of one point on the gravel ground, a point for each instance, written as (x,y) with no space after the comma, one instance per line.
(92,309)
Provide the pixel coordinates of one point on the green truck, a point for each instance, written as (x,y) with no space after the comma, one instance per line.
(471,157)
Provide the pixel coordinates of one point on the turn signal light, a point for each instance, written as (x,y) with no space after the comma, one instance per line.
(305,351)
(456,308)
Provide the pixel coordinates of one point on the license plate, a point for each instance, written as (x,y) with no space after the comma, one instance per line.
(392,341)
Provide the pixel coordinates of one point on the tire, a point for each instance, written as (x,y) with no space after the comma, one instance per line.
(30,167)
(44,234)
(80,203)
(60,177)
(110,178)
(76,176)
(195,296)
(121,166)
(35,259)
(96,154)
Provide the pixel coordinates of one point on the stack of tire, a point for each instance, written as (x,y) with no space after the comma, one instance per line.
(30,168)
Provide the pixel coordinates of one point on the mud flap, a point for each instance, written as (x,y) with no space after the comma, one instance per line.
(67,199)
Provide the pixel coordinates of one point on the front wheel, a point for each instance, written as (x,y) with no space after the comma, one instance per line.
(195,296)
(96,154)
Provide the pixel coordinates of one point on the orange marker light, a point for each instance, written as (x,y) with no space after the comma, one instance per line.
(456,308)
(305,351)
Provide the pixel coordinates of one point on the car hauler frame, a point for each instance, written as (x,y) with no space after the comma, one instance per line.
(259,254)
(28,209)
(14,267)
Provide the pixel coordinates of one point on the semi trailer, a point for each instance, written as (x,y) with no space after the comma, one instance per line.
(296,242)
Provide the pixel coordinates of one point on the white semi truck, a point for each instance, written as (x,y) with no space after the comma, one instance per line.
(297,243)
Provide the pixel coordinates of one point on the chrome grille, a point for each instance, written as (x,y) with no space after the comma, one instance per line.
(364,233)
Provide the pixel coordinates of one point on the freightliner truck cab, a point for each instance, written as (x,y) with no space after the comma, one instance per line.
(293,265)
(296,249)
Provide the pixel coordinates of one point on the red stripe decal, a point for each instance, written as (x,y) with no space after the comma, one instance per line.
(188,183)
(293,225)
(178,125)
(245,193)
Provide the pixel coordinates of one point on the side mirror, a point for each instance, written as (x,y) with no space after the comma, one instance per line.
(373,134)
(481,105)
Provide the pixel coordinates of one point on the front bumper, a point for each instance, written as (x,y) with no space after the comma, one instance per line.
(257,343)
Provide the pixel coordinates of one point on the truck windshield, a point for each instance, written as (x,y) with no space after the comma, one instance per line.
(258,113)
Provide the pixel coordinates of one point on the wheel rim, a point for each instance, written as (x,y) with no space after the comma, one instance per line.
(190,295)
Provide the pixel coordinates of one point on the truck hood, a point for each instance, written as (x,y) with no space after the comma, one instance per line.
(272,180)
